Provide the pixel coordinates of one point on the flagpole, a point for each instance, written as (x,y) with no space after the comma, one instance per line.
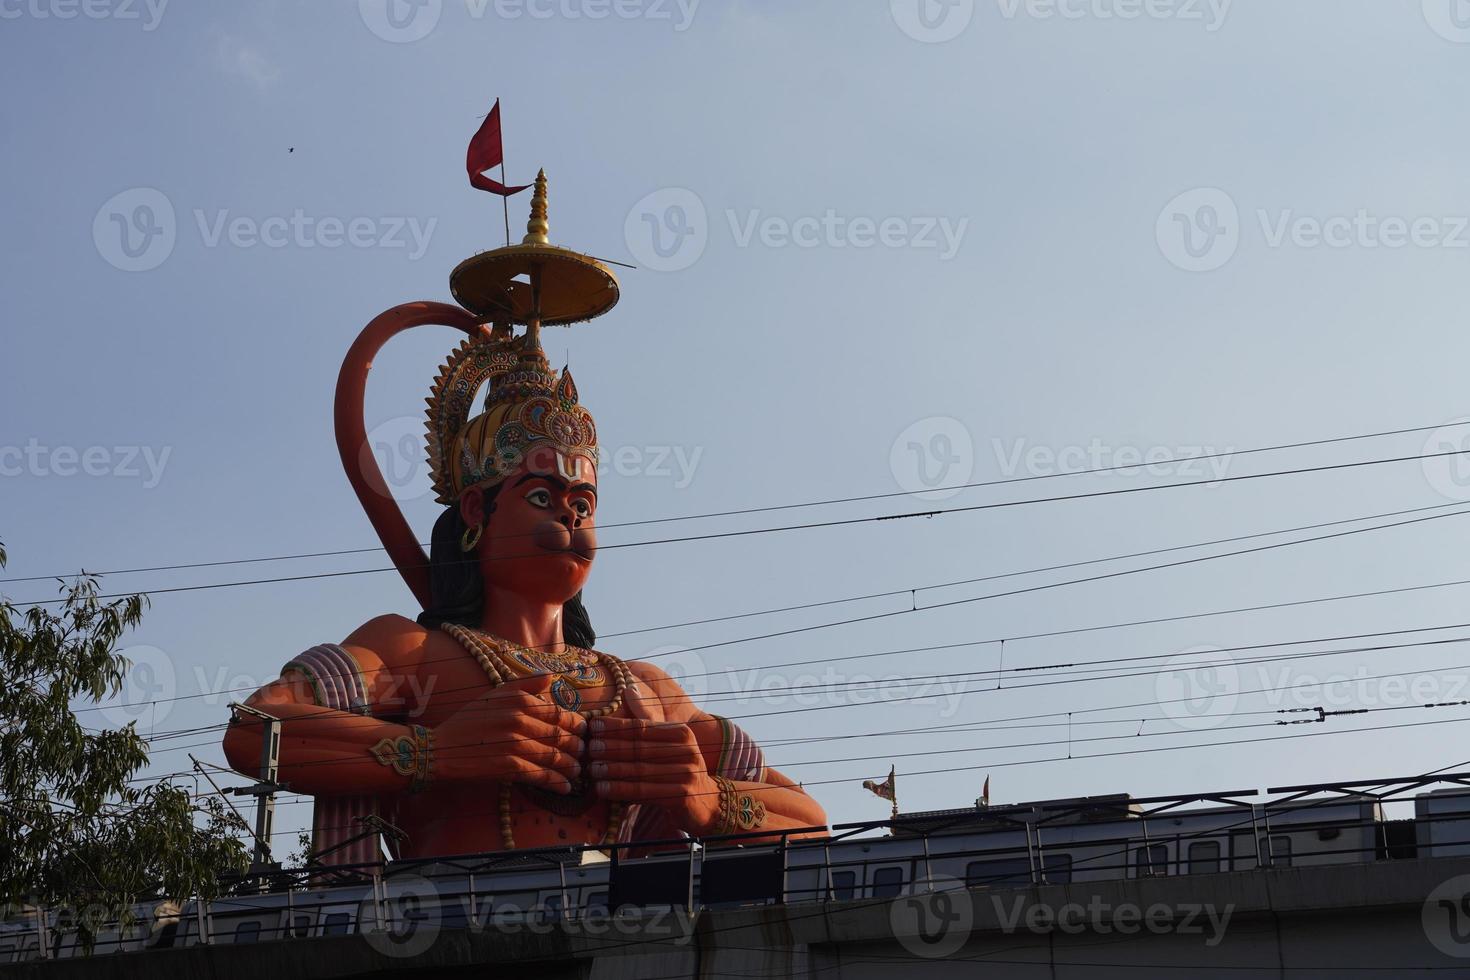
(505,199)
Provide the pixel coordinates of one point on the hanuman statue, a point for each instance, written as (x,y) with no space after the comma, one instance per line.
(490,722)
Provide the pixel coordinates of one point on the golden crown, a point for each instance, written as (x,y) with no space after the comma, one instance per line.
(527,405)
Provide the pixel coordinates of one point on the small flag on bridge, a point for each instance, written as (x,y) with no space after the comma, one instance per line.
(888,789)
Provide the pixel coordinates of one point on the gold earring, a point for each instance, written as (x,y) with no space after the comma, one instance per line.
(470,537)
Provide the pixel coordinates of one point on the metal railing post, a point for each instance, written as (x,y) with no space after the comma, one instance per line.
(1256,836)
(1270,861)
(1041,855)
(1031,854)
(378,889)
(42,944)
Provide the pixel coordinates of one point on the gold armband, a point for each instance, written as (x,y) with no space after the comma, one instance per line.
(739,810)
(409,755)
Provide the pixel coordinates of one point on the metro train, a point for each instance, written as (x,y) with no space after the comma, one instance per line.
(1012,846)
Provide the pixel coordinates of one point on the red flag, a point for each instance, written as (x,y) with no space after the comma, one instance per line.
(486,152)
(888,789)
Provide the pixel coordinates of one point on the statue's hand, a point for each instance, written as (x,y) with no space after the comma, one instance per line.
(660,763)
(510,735)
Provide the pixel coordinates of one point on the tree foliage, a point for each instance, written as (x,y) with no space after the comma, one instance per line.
(78,829)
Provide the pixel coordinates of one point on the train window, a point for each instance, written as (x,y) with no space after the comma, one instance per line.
(337,924)
(844,885)
(549,910)
(1001,871)
(1057,868)
(1204,857)
(1242,850)
(453,916)
(247,932)
(597,900)
(1151,861)
(887,882)
(164,937)
(300,927)
(1281,851)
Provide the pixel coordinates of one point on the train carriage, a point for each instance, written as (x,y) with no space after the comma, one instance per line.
(1017,846)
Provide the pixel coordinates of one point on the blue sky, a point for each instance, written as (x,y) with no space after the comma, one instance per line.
(994,241)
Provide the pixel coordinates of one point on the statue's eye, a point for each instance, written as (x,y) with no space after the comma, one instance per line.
(539,498)
(582,507)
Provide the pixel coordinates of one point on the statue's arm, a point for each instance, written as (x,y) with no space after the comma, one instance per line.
(335,702)
(348,710)
(701,769)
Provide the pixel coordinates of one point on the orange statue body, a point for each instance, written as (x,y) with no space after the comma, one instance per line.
(490,722)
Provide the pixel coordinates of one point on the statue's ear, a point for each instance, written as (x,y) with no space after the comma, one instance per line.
(472,507)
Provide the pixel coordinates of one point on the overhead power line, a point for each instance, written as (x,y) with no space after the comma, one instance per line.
(780,507)
(913,609)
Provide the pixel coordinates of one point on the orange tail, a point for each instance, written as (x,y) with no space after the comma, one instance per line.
(357,456)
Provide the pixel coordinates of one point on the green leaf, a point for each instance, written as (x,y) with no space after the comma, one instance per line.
(75,832)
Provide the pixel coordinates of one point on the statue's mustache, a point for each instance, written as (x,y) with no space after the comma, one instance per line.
(555,536)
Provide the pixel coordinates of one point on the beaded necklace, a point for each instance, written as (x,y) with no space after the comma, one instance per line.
(503,661)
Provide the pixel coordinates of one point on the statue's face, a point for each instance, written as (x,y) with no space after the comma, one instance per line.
(540,539)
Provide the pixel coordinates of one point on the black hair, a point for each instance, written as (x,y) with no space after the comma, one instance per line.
(458,588)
